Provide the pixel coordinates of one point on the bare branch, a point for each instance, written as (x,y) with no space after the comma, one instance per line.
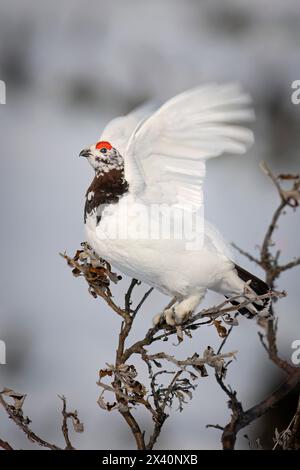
(246,254)
(141,303)
(214,360)
(23,423)
(271,347)
(239,417)
(77,425)
(288,198)
(5,445)
(290,438)
(290,265)
(161,415)
(216,426)
(128,294)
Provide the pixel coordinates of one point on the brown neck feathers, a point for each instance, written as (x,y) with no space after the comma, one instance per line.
(106,188)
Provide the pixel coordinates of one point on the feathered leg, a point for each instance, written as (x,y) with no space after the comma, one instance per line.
(179,313)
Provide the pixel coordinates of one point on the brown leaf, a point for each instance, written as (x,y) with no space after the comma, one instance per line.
(77,425)
(18,398)
(77,254)
(202,370)
(222,332)
(287,176)
(105,405)
(105,372)
(97,270)
(138,389)
(93,293)
(76,272)
(110,406)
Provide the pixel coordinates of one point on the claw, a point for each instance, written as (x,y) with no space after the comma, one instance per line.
(171,316)
(177,314)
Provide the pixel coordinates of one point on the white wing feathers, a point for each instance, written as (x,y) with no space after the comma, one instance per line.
(119,130)
(166,154)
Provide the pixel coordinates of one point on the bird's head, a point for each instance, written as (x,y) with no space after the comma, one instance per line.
(103,157)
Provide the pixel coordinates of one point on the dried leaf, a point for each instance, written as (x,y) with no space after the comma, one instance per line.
(111,406)
(179,333)
(93,293)
(97,270)
(77,425)
(106,405)
(18,398)
(193,376)
(222,332)
(77,255)
(76,272)
(202,370)
(105,372)
(82,255)
(288,176)
(230,320)
(137,388)
(262,322)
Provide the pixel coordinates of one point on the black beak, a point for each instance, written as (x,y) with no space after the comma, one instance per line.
(85,153)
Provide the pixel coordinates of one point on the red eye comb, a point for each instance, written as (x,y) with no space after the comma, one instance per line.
(103,144)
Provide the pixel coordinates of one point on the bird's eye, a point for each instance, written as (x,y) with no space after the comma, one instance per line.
(103,150)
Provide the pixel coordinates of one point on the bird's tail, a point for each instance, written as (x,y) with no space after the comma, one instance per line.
(260,307)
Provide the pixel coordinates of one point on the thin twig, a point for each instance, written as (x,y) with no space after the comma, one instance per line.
(20,422)
(5,445)
(65,430)
(292,427)
(161,416)
(246,254)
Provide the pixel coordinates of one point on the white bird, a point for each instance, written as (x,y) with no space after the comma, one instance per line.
(149,174)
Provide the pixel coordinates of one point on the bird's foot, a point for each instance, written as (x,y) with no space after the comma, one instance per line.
(180,312)
(172,316)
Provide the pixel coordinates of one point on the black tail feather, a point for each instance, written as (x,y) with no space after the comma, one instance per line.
(259,287)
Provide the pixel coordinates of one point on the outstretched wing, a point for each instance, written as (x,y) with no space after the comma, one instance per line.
(165,157)
(119,130)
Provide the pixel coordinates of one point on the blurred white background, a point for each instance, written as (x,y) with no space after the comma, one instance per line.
(70,66)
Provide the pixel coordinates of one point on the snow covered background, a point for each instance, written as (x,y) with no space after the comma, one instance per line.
(69,67)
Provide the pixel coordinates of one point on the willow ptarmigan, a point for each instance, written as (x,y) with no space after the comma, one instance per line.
(144,207)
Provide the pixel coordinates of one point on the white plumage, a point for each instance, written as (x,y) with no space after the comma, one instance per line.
(165,155)
(169,149)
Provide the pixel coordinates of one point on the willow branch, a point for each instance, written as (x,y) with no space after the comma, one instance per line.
(239,417)
(5,445)
(19,420)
